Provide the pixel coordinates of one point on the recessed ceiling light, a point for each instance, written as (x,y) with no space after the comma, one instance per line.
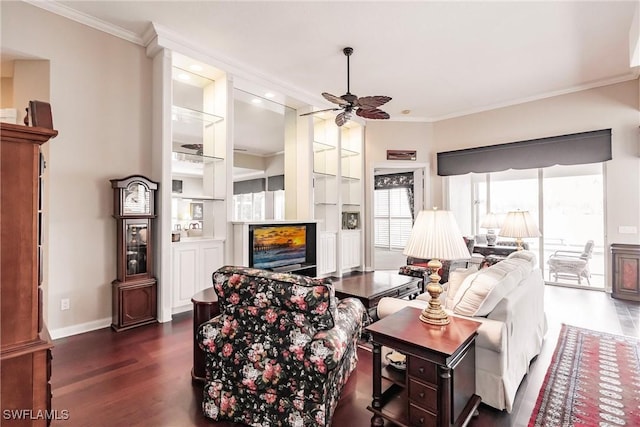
(405,111)
(256,101)
(184,76)
(269,95)
(195,67)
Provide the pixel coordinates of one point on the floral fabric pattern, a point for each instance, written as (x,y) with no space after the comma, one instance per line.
(281,349)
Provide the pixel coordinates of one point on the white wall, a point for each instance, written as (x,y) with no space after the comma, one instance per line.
(100,98)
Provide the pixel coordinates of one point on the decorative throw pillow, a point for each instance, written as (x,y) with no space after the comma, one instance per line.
(479,294)
(456,278)
(525,255)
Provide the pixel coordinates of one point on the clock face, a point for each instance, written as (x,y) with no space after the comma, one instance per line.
(136,199)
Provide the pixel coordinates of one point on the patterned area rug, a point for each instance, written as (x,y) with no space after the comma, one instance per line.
(593,380)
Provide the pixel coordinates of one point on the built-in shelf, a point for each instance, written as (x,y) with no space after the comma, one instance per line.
(190,116)
(348,153)
(194,197)
(321,146)
(324,175)
(190,156)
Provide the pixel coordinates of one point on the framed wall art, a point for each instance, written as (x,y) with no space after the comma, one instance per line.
(197,211)
(401,154)
(350,220)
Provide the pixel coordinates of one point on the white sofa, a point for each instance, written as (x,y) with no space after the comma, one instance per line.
(508,299)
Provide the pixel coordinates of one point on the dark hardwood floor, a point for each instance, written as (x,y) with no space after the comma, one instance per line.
(141,377)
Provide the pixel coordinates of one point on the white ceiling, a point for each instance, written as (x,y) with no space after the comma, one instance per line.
(436,59)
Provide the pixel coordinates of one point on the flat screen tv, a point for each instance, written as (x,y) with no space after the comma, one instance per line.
(275,246)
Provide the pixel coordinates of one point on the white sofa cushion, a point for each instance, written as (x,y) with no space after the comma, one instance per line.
(481,292)
(456,278)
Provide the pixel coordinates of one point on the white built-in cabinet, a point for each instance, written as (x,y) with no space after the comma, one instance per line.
(337,195)
(189,159)
(192,159)
(326,253)
(193,266)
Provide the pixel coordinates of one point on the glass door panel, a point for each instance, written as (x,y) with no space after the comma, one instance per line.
(574,215)
(512,190)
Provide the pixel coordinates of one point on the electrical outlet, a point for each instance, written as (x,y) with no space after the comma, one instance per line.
(64,304)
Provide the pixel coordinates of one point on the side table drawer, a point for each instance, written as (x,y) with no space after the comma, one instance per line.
(421,418)
(409,289)
(423,370)
(423,395)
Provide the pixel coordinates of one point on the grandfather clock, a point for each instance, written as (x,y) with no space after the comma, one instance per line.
(134,292)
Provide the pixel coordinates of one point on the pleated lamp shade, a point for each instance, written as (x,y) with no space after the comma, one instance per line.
(435,235)
(491,221)
(519,224)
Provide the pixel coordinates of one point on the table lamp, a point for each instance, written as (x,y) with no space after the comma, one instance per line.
(519,224)
(491,221)
(435,236)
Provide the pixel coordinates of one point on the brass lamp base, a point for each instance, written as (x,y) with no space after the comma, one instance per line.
(433,314)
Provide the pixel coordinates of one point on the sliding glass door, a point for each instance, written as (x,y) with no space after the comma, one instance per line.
(567,203)
(573,216)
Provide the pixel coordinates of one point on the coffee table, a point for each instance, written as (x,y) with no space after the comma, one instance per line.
(437,386)
(371,287)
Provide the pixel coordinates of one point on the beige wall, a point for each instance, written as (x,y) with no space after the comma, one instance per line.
(6,92)
(381,136)
(100,96)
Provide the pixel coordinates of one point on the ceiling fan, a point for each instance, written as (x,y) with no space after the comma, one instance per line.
(366,106)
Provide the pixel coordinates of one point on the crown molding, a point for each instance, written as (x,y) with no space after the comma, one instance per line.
(591,85)
(83,18)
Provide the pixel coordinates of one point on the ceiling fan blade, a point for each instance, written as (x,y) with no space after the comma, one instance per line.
(320,111)
(334,99)
(373,113)
(341,119)
(371,102)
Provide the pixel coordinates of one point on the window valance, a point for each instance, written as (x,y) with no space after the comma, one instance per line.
(571,149)
(395,180)
(249,186)
(275,183)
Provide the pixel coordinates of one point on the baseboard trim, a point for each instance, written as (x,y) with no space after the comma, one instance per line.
(80,328)
(182,309)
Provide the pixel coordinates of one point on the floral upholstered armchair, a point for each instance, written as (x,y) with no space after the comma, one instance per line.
(281,349)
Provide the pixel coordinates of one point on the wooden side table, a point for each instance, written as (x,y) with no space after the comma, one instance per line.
(205,307)
(438,385)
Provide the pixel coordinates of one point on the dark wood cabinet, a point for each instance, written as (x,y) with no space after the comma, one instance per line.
(134,292)
(25,345)
(625,267)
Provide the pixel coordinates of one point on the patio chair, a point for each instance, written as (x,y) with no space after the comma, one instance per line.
(573,265)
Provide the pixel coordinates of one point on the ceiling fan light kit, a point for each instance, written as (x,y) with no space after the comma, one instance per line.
(366,107)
